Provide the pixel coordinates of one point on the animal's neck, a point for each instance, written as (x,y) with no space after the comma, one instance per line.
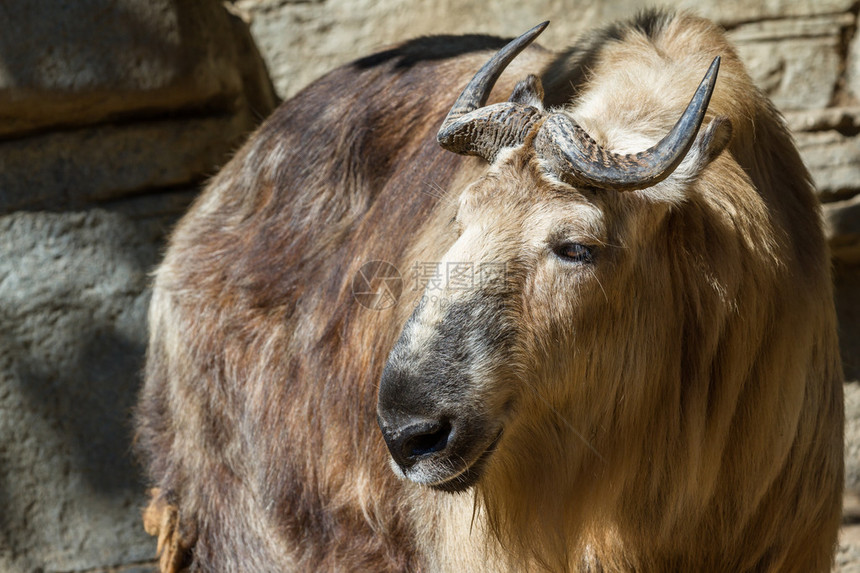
(452,533)
(454,537)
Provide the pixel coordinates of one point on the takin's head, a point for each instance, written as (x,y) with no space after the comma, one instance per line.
(552,241)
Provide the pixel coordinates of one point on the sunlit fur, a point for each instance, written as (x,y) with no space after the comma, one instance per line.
(673,406)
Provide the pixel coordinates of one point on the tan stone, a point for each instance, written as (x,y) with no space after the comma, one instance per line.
(834,161)
(807,27)
(796,61)
(324,35)
(843,119)
(731,12)
(852,70)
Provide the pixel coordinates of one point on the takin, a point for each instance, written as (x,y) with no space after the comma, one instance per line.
(598,334)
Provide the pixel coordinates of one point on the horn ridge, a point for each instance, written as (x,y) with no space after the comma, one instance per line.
(485,131)
(572,155)
(472,129)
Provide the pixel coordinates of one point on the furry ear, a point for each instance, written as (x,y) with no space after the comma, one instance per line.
(528,91)
(710,142)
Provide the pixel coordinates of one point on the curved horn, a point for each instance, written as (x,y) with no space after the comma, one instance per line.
(471,129)
(571,154)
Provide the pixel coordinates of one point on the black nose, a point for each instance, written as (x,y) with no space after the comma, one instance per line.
(411,439)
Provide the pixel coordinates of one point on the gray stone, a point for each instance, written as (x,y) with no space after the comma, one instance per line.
(163,207)
(136,60)
(73,300)
(834,161)
(86,61)
(72,168)
(797,62)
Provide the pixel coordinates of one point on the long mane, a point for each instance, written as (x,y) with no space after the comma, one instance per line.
(742,364)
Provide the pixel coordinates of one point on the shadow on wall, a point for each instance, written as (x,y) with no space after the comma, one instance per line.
(71,486)
(91,405)
(73,302)
(847,282)
(71,483)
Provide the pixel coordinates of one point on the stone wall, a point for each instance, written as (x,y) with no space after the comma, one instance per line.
(114,112)
(111,116)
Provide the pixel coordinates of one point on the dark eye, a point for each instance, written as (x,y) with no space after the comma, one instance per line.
(574,252)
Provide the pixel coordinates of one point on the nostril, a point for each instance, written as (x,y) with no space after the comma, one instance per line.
(427,440)
(414,438)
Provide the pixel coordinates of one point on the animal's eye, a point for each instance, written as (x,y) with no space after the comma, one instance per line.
(574,252)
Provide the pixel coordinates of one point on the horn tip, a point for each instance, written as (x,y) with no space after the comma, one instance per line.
(537,30)
(710,78)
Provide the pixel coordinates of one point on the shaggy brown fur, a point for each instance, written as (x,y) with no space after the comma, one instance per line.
(682,411)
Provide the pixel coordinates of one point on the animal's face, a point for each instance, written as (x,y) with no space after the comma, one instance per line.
(546,240)
(511,290)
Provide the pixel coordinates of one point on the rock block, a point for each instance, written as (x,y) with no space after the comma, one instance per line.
(732,12)
(68,169)
(324,35)
(834,161)
(87,61)
(793,47)
(796,61)
(852,69)
(842,119)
